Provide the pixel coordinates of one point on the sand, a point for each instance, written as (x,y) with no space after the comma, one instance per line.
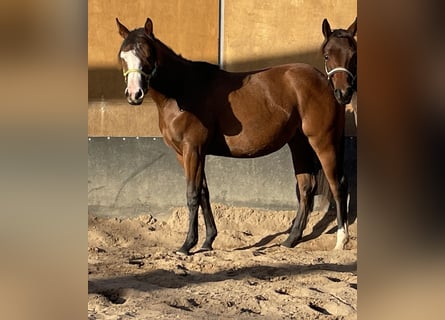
(135,274)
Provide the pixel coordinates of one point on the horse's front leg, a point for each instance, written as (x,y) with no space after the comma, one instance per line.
(193,165)
(211,231)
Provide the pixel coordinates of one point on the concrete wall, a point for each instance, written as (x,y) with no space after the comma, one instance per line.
(138,176)
(135,176)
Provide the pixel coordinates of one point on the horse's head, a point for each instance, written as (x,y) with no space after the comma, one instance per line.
(340,54)
(138,58)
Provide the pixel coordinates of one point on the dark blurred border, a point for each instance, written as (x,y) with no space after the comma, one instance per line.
(43,230)
(401,159)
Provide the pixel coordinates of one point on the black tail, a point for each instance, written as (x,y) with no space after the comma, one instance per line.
(349,169)
(323,193)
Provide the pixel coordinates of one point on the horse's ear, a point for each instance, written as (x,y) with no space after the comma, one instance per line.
(123,31)
(353,27)
(326,28)
(149,27)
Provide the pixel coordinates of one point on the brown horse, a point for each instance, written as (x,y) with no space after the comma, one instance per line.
(340,60)
(205,110)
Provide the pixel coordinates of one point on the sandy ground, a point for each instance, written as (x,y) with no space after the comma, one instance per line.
(135,274)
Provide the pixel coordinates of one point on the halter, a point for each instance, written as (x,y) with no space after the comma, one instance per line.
(126,73)
(338,69)
(147,76)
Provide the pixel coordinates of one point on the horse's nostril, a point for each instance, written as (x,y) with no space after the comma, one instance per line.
(337,93)
(139,94)
(126,92)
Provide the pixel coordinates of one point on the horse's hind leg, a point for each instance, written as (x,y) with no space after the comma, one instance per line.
(330,159)
(211,231)
(303,159)
(306,187)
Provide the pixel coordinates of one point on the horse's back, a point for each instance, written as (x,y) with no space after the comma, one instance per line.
(267,107)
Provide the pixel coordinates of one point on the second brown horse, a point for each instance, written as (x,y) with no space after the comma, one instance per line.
(205,110)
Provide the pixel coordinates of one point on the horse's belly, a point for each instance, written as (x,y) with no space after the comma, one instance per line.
(249,146)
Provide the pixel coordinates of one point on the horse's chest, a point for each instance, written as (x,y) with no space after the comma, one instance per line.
(182,127)
(172,135)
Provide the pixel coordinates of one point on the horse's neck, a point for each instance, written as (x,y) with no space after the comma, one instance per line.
(172,71)
(181,79)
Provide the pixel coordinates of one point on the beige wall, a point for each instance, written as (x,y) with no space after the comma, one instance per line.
(256,34)
(269,32)
(188,27)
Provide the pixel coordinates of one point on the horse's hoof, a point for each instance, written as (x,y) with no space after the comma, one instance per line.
(342,239)
(341,245)
(182,252)
(289,243)
(205,249)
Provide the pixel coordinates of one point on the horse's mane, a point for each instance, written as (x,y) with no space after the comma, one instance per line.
(139,35)
(200,66)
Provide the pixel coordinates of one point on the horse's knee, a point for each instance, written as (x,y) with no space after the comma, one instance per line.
(193,199)
(192,202)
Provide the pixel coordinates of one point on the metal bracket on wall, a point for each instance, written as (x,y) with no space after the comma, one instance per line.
(91,139)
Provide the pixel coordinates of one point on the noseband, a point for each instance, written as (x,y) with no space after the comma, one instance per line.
(329,73)
(147,76)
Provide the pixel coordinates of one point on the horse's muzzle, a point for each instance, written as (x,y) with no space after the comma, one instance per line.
(135,98)
(344,96)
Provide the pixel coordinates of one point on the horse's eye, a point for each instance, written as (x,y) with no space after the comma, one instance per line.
(326,57)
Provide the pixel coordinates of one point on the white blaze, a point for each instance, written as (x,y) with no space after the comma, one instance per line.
(133,78)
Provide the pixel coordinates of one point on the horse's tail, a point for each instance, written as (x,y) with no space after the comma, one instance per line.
(323,195)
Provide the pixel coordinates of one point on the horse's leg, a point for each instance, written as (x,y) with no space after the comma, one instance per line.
(211,231)
(330,159)
(354,107)
(304,167)
(306,187)
(193,164)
